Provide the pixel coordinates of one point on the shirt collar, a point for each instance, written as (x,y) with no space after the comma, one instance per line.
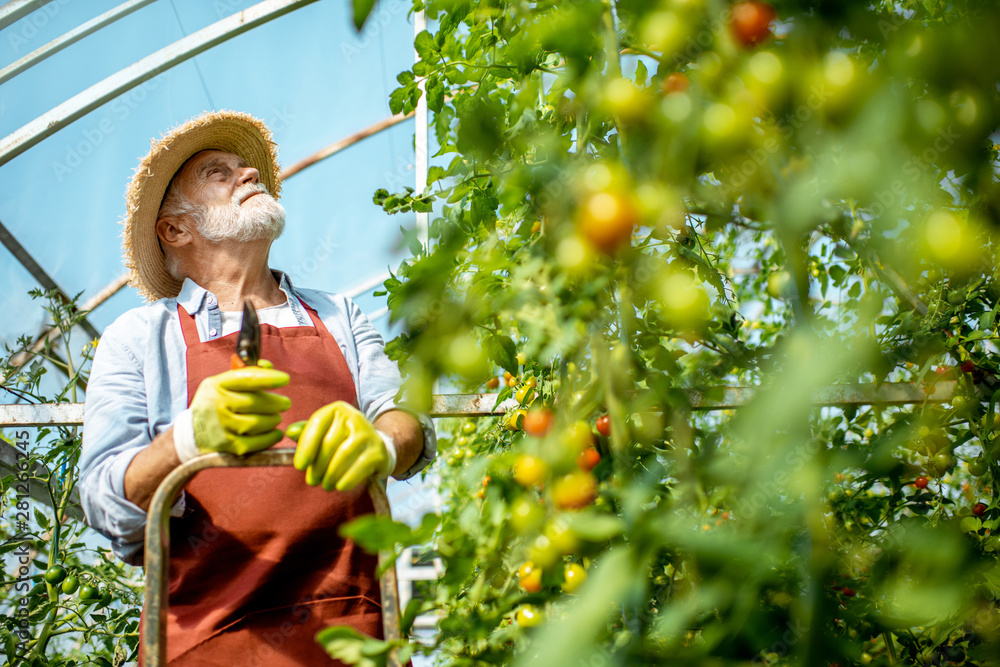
(192,295)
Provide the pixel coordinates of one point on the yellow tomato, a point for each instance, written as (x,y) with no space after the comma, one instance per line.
(607,219)
(526,516)
(527,616)
(573,577)
(530,470)
(575,490)
(578,437)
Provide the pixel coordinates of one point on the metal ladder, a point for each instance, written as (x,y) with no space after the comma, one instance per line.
(157,551)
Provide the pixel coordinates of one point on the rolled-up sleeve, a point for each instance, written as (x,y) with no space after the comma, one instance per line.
(379,382)
(115,430)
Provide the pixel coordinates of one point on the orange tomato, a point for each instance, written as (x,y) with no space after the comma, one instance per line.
(607,219)
(588,459)
(538,422)
(530,577)
(676,82)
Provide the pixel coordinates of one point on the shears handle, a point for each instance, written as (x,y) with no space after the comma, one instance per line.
(294,430)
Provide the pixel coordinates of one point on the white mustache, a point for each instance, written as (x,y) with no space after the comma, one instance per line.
(245,191)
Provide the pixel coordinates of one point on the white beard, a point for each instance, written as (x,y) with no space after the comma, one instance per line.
(261,218)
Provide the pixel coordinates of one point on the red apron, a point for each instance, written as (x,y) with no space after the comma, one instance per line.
(256,565)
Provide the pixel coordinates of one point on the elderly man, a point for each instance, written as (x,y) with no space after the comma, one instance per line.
(257,566)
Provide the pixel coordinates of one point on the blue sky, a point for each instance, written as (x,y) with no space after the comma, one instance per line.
(307,74)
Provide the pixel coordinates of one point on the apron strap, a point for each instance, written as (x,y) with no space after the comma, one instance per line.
(314,316)
(188,328)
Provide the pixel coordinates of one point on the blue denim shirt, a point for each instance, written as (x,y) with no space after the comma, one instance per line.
(138,385)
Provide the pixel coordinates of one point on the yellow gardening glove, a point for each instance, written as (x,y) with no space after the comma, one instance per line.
(341,449)
(231,412)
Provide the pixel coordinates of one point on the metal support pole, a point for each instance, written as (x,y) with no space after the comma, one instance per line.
(38,273)
(484,405)
(420,140)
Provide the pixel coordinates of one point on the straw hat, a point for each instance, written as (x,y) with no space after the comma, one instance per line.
(229,131)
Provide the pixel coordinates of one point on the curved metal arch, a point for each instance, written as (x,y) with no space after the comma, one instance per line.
(71,37)
(139,72)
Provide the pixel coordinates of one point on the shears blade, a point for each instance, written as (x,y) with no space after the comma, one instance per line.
(248,342)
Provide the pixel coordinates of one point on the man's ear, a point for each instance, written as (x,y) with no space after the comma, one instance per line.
(172,231)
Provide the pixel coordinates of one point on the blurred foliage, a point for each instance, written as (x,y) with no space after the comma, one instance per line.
(633,200)
(63,601)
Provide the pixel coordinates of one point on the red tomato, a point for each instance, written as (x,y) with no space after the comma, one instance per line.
(604,425)
(979,509)
(921,482)
(751,22)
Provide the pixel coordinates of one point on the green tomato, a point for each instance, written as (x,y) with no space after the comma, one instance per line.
(55,574)
(468,428)
(70,584)
(978,467)
(89,594)
(943,462)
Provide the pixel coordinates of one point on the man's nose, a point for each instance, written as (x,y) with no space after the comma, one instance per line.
(249,175)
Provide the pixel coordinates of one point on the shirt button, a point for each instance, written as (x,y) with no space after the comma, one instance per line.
(211,300)
(212,332)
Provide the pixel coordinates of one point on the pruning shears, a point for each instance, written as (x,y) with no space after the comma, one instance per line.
(248,342)
(248,354)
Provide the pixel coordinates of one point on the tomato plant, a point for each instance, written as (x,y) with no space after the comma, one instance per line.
(697,218)
(50,623)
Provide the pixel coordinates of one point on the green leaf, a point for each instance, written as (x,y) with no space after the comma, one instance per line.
(970,524)
(42,519)
(435,95)
(352,647)
(396,100)
(426,47)
(641,74)
(362,10)
(596,527)
(502,351)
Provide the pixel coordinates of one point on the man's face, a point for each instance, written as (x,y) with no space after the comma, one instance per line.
(234,205)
